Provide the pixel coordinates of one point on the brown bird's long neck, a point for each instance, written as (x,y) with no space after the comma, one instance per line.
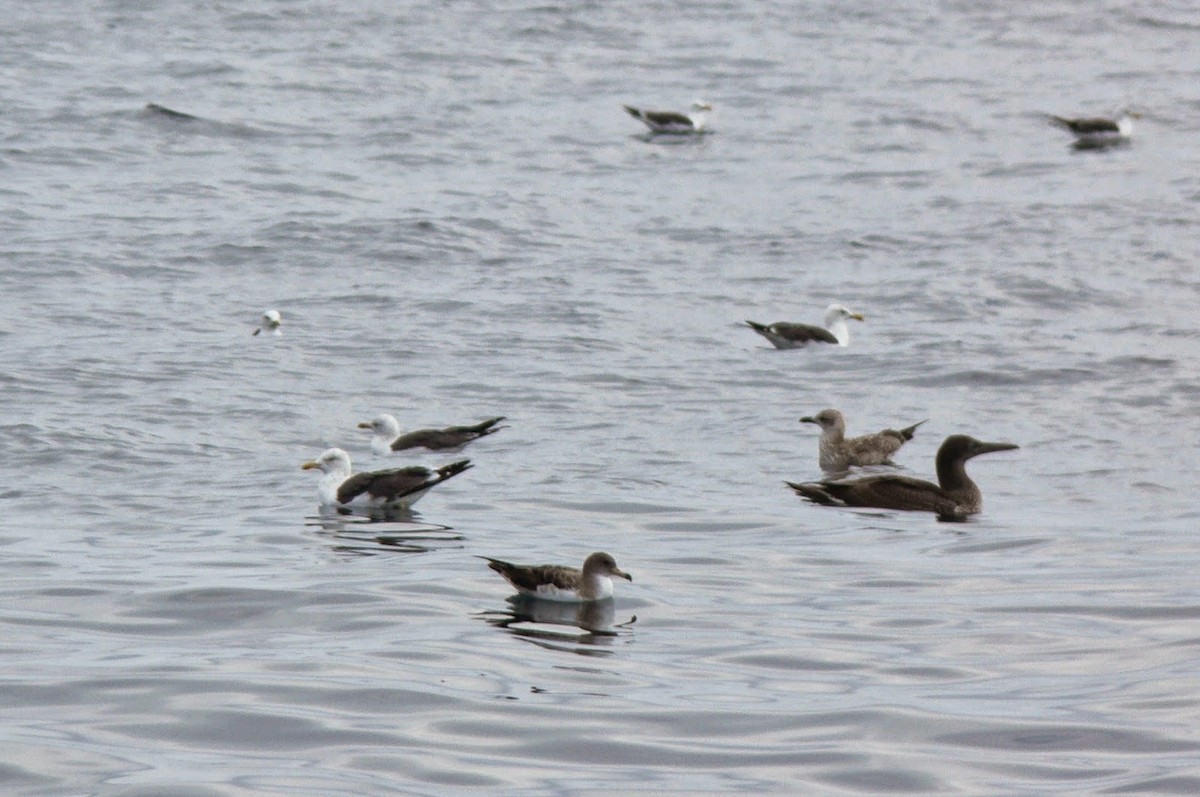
(953,478)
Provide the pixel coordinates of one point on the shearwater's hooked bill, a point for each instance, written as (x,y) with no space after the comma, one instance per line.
(954,497)
(1098,131)
(673,122)
(387,437)
(270,323)
(396,487)
(836,452)
(787,335)
(562,583)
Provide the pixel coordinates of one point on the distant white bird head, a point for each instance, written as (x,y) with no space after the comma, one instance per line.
(334,460)
(1125,122)
(271,322)
(701,105)
(385,428)
(835,312)
(383,425)
(835,322)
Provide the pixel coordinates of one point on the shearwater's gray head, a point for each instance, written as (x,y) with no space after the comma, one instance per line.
(601,563)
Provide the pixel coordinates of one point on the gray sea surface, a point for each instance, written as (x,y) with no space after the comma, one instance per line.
(457,220)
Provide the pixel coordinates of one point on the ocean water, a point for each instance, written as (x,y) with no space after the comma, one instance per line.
(457,220)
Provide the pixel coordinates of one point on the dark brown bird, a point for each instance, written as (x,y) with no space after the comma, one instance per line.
(396,487)
(836,452)
(388,438)
(954,497)
(561,583)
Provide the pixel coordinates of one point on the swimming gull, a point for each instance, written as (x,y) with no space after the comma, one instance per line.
(395,487)
(387,436)
(837,453)
(954,497)
(673,122)
(1099,131)
(786,335)
(271,323)
(562,583)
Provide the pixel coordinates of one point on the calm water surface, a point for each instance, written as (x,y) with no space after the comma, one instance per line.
(458,221)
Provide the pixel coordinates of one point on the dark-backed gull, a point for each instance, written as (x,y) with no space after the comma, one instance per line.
(387,437)
(954,497)
(786,335)
(1098,131)
(396,487)
(673,122)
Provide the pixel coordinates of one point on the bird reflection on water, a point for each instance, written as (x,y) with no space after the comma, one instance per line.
(379,530)
(594,618)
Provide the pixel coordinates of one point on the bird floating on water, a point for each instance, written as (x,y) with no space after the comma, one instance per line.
(270,323)
(836,452)
(954,497)
(396,487)
(786,335)
(1091,132)
(673,122)
(562,583)
(170,113)
(387,436)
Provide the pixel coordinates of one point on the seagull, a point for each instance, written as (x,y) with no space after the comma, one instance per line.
(954,497)
(1098,131)
(837,453)
(786,335)
(672,121)
(453,438)
(396,487)
(271,323)
(561,583)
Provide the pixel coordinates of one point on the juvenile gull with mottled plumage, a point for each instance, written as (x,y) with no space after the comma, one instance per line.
(395,487)
(562,583)
(453,438)
(836,452)
(787,335)
(954,497)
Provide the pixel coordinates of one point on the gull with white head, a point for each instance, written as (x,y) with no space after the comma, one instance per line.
(339,486)
(673,122)
(271,323)
(387,437)
(1093,132)
(788,335)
